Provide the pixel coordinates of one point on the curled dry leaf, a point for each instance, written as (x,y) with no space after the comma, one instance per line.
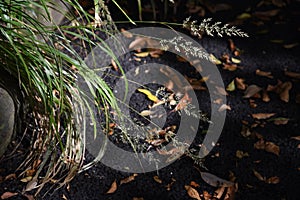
(235,60)
(224,107)
(157,179)
(292,74)
(214,180)
(273,180)
(240,83)
(263,73)
(265,96)
(194,184)
(142,54)
(112,188)
(272,148)
(231,86)
(145,113)
(251,91)
(259,176)
(128,179)
(262,115)
(284,94)
(7,195)
(214,59)
(240,154)
(192,192)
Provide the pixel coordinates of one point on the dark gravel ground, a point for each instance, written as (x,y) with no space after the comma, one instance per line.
(258,52)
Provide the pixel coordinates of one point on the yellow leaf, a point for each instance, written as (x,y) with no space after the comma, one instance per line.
(235,60)
(149,95)
(214,59)
(244,16)
(142,54)
(26,179)
(231,86)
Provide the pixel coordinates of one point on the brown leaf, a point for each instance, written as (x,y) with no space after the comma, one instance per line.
(7,195)
(265,96)
(10,177)
(157,179)
(284,94)
(260,144)
(292,74)
(115,66)
(259,176)
(231,45)
(262,115)
(206,195)
(280,121)
(219,192)
(251,91)
(214,180)
(263,73)
(272,148)
(192,192)
(245,131)
(128,179)
(296,138)
(112,188)
(273,180)
(194,184)
(240,83)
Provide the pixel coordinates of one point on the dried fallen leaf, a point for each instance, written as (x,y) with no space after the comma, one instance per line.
(260,144)
(231,86)
(142,54)
(259,176)
(280,121)
(251,91)
(262,115)
(194,184)
(240,154)
(240,83)
(272,148)
(263,73)
(273,180)
(7,195)
(296,138)
(26,179)
(292,45)
(112,188)
(285,89)
(145,113)
(292,74)
(219,192)
(206,195)
(137,198)
(157,179)
(115,66)
(243,16)
(245,131)
(192,192)
(214,180)
(224,107)
(231,45)
(235,60)
(214,60)
(10,177)
(265,96)
(128,179)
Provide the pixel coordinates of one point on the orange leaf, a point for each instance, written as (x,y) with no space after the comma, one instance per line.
(194,184)
(128,179)
(112,188)
(273,180)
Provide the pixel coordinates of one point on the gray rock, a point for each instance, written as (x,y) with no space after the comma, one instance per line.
(7,119)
